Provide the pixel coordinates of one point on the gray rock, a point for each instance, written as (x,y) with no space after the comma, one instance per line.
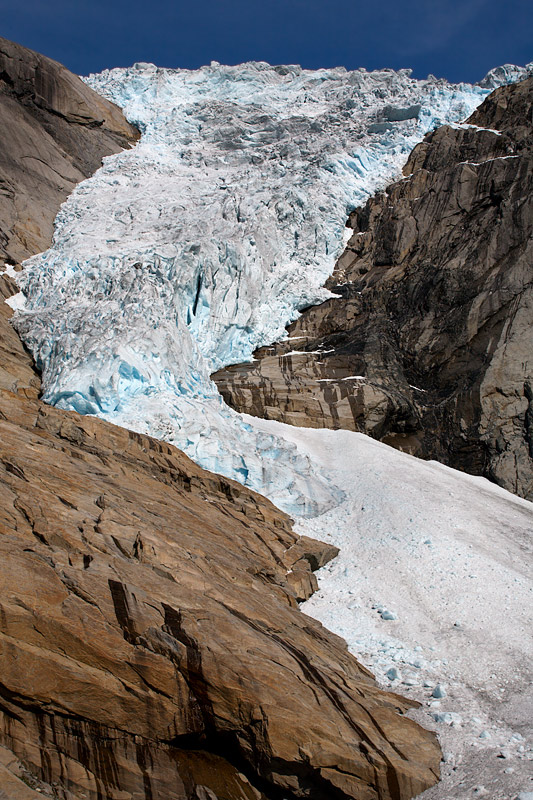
(393,114)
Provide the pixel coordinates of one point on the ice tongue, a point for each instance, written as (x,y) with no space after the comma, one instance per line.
(189,251)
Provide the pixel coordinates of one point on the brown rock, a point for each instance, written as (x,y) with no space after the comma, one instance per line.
(150,641)
(302,581)
(54,133)
(315,553)
(17,373)
(17,783)
(428,347)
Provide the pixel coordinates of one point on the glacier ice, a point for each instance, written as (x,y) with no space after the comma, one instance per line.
(200,244)
(504,74)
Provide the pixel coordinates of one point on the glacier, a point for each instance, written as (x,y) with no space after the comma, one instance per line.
(200,244)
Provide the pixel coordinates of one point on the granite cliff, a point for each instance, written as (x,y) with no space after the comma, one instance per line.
(428,345)
(151,645)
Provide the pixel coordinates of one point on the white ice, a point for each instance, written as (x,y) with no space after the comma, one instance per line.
(17,301)
(9,270)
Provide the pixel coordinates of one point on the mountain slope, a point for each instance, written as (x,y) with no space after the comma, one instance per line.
(54,133)
(428,345)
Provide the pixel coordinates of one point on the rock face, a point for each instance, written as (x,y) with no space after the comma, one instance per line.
(151,645)
(54,133)
(428,346)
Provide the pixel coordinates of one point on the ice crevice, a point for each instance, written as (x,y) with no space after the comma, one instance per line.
(200,244)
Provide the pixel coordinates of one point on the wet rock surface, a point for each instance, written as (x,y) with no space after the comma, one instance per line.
(428,346)
(54,133)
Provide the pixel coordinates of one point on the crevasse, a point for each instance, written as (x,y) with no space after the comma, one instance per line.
(199,245)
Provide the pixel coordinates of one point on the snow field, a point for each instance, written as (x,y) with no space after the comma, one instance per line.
(433,592)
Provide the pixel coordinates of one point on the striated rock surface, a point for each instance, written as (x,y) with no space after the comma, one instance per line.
(54,133)
(151,645)
(428,346)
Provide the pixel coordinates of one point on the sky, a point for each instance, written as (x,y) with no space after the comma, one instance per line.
(454,39)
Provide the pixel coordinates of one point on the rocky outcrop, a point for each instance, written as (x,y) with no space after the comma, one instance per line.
(54,133)
(428,345)
(151,645)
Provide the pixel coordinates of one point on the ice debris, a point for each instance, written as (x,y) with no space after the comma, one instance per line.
(394,674)
(448,717)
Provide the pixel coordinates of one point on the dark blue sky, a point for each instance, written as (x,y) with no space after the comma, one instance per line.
(455,39)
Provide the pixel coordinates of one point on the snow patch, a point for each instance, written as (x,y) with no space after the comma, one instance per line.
(9,269)
(17,301)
